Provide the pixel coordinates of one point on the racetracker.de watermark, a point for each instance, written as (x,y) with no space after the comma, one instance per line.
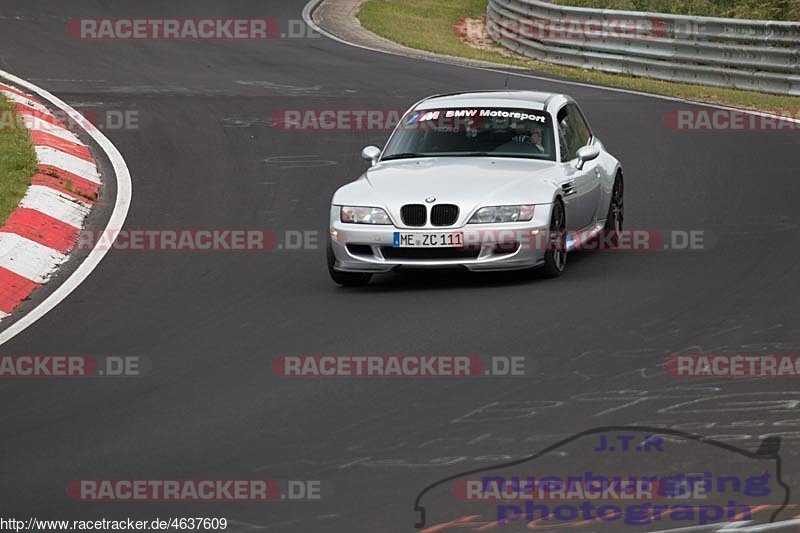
(733,366)
(509,240)
(560,29)
(732,120)
(400,366)
(452,120)
(72,366)
(497,488)
(198,240)
(336,119)
(196,490)
(104,119)
(190,29)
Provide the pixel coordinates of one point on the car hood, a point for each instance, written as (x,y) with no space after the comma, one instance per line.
(469,182)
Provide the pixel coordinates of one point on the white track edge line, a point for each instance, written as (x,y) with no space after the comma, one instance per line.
(312,5)
(116,221)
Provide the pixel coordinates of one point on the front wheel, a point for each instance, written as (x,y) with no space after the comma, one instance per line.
(555,258)
(346,279)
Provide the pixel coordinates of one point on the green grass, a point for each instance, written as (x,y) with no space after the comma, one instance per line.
(742,9)
(17,159)
(428,25)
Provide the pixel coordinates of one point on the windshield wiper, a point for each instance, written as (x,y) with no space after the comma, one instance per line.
(402,155)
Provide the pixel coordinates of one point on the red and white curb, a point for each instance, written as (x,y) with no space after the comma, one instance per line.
(62,140)
(38,236)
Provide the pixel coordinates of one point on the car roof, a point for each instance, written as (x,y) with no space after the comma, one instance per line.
(524,99)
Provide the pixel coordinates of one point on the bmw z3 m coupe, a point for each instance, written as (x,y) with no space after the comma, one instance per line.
(494,180)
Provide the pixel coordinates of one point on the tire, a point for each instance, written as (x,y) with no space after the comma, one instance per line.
(346,279)
(616,212)
(555,258)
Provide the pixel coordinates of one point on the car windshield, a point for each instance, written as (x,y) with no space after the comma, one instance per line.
(495,132)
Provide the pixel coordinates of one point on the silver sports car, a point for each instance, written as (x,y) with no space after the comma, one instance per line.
(494,180)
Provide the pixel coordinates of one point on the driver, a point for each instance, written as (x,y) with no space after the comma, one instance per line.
(533,136)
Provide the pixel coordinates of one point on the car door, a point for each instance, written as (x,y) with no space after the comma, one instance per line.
(581,187)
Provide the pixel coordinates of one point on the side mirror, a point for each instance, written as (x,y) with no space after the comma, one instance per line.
(372,153)
(587,153)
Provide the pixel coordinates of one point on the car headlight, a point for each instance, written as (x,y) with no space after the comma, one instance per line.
(502,213)
(364,215)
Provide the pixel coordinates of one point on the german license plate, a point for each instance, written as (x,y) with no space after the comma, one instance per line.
(428,240)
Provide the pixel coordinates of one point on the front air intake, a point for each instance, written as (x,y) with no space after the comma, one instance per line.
(413,214)
(444,214)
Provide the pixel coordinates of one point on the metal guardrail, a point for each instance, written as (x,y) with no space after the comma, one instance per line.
(744,54)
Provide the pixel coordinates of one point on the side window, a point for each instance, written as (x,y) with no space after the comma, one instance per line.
(573,131)
(582,131)
(562,134)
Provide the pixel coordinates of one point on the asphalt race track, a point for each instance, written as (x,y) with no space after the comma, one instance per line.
(206,156)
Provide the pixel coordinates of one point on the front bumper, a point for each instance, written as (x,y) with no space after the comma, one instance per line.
(368,248)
